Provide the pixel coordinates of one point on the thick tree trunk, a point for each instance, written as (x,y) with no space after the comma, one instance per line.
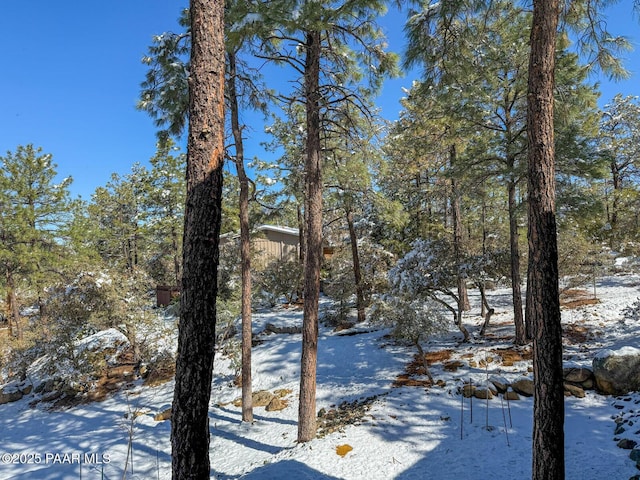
(543,298)
(357,273)
(245,245)
(516,291)
(313,256)
(205,151)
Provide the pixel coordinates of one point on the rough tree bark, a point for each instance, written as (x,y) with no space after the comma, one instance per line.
(245,245)
(196,336)
(313,254)
(543,295)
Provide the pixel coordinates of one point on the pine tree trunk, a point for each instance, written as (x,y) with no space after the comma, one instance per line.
(245,245)
(176,258)
(196,337)
(457,236)
(15,326)
(313,256)
(357,273)
(613,218)
(543,298)
(516,291)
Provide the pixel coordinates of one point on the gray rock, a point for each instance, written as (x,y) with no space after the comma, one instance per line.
(577,375)
(483,393)
(468,390)
(500,383)
(627,444)
(271,328)
(511,395)
(10,396)
(617,372)
(573,390)
(524,386)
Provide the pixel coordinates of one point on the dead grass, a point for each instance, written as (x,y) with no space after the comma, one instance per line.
(439,356)
(405,380)
(579,302)
(511,355)
(113,380)
(160,373)
(415,368)
(576,297)
(575,333)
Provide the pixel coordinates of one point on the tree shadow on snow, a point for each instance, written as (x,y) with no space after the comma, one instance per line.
(287,469)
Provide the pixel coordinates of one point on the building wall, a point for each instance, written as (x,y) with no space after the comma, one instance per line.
(270,244)
(276,245)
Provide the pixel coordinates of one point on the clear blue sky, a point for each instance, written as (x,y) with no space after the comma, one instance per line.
(72,72)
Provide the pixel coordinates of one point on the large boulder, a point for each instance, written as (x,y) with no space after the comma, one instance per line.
(8,396)
(523,386)
(617,372)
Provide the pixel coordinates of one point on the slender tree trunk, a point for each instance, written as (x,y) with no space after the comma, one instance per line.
(176,257)
(483,220)
(15,325)
(245,245)
(516,291)
(423,358)
(302,233)
(457,235)
(486,312)
(357,273)
(456,312)
(205,156)
(313,256)
(615,201)
(544,303)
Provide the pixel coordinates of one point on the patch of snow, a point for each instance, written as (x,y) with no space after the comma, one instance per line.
(407,432)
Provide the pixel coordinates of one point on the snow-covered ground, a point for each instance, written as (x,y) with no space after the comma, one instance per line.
(406,432)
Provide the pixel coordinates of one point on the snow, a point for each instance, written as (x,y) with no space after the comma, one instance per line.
(407,432)
(620,352)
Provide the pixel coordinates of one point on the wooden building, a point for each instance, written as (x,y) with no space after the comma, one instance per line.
(270,243)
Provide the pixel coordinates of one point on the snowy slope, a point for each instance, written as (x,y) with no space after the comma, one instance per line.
(406,432)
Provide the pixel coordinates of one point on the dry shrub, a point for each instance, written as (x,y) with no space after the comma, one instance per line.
(575,333)
(161,370)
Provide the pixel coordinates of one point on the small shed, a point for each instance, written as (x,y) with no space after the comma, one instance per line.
(270,243)
(276,243)
(165,294)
